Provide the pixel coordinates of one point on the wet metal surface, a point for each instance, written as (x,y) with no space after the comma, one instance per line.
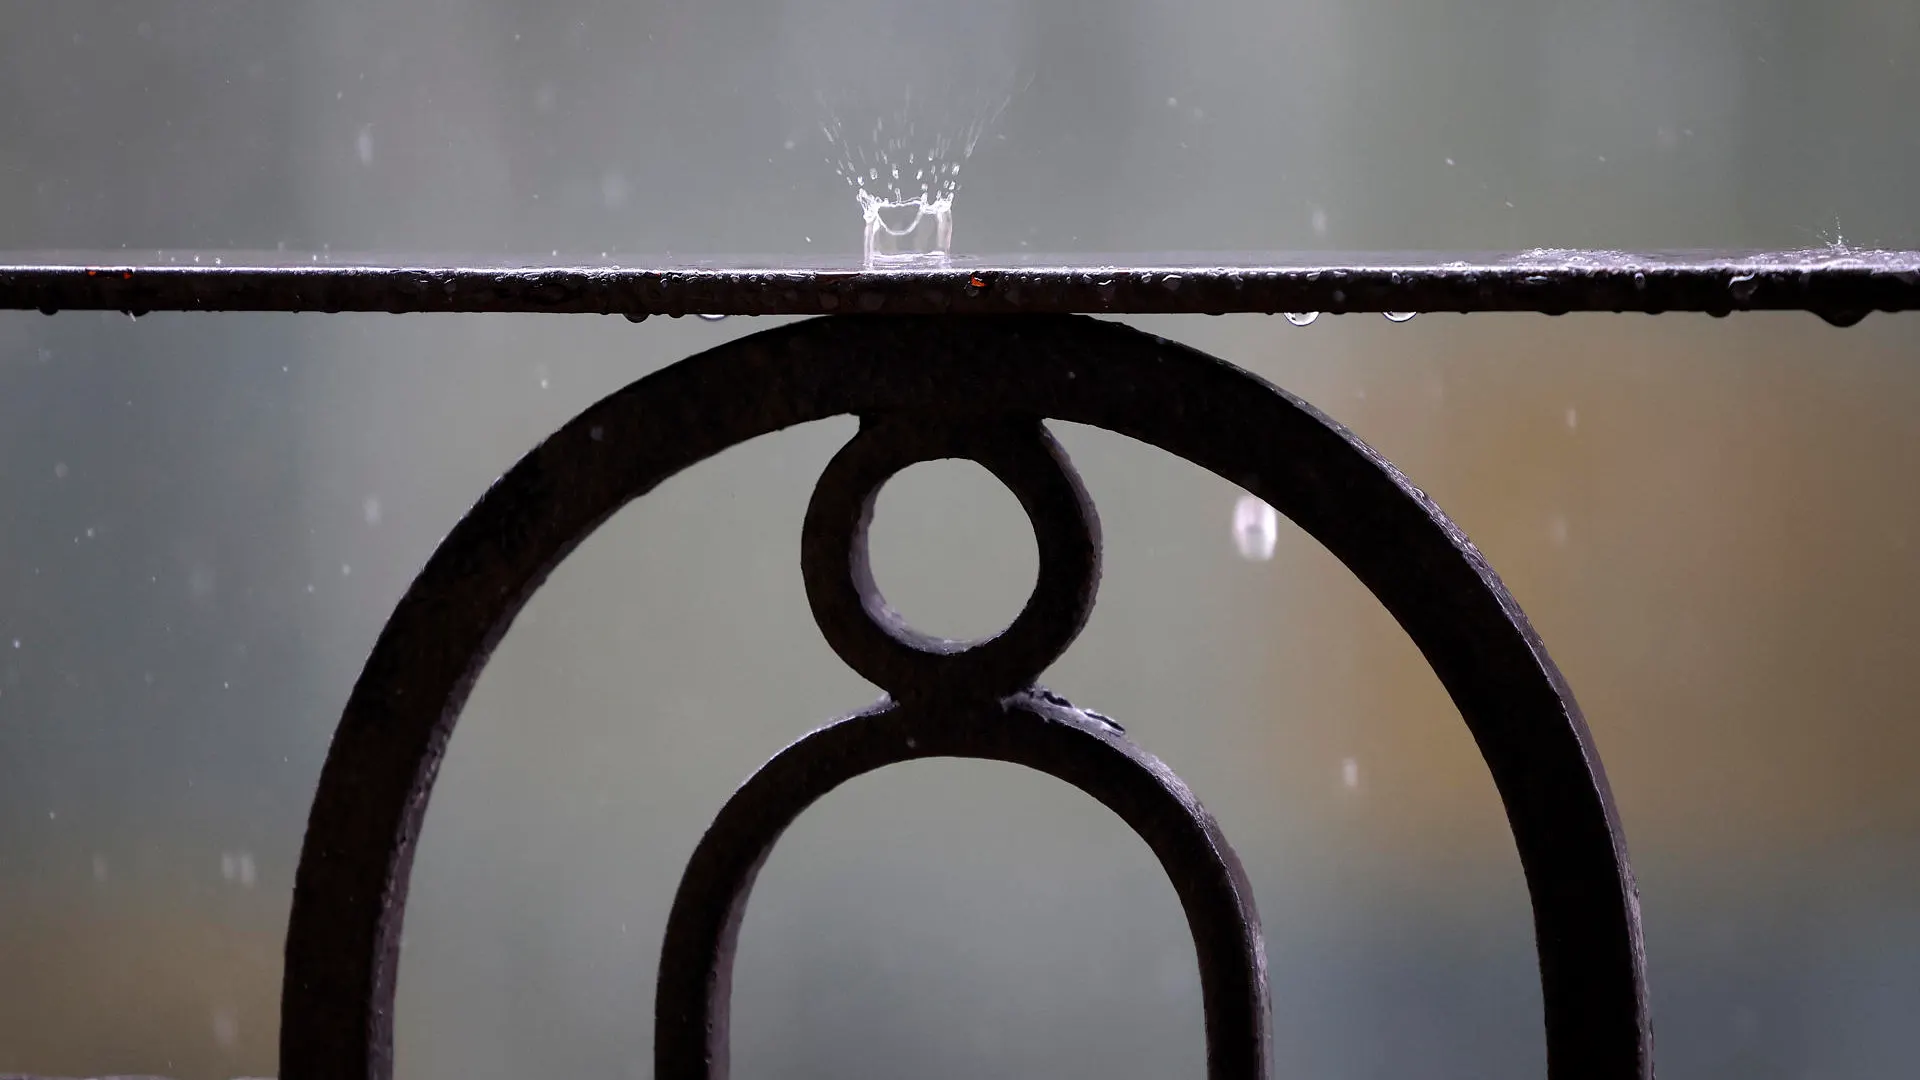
(1841,284)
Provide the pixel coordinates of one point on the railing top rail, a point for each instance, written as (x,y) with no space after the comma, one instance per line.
(1840,284)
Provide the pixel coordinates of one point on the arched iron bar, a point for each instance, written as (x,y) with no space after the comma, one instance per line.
(350,890)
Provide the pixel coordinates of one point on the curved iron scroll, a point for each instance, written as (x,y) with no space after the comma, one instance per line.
(958,699)
(350,890)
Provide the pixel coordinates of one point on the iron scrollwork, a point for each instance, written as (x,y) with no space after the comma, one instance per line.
(977,388)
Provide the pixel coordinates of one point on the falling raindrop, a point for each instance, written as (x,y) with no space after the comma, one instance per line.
(1302,318)
(226,1028)
(613,190)
(1256,528)
(1350,773)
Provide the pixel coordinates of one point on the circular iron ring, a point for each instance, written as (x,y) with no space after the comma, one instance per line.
(870,635)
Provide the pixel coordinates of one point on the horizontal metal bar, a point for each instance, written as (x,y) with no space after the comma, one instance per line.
(1841,284)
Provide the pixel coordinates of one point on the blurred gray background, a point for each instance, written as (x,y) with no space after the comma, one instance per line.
(1712,523)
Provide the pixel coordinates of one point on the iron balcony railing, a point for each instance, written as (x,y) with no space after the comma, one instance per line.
(966,360)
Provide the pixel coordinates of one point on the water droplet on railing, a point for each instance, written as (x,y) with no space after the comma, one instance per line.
(711,318)
(1399,316)
(1302,318)
(1842,317)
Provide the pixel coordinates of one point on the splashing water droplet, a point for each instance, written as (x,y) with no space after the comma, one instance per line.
(1399,316)
(904,165)
(1302,318)
(906,230)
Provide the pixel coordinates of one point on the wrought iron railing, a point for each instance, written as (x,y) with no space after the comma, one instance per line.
(968,361)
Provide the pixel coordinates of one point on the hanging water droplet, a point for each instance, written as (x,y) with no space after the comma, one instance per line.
(1302,318)
(711,318)
(1399,316)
